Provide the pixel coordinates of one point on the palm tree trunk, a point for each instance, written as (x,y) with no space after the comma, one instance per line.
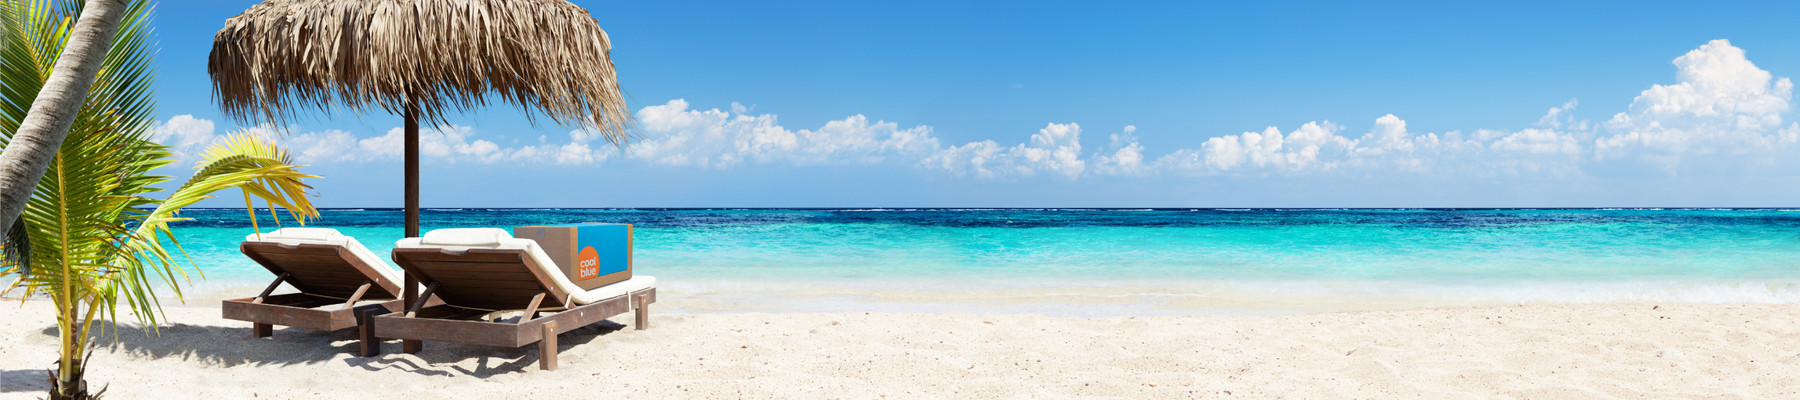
(41,133)
(68,383)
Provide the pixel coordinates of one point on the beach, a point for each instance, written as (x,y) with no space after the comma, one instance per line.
(930,203)
(1039,303)
(1520,351)
(1044,303)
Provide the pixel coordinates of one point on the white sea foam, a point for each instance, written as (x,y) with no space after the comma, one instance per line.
(1175,297)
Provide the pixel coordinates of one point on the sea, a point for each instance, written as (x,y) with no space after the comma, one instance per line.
(1112,262)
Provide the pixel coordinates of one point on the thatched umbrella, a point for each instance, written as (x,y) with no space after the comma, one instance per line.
(418,58)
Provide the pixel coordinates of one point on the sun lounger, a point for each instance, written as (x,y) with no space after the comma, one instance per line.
(333,273)
(480,273)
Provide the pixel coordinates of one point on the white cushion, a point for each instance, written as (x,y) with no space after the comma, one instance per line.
(576,293)
(296,235)
(328,236)
(466,237)
(609,292)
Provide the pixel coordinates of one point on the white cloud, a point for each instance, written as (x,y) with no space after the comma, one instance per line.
(1125,156)
(188,135)
(183,133)
(1054,150)
(577,154)
(678,136)
(1299,150)
(1720,108)
(1561,117)
(675,135)
(1538,142)
(1721,104)
(582,136)
(1320,148)
(336,145)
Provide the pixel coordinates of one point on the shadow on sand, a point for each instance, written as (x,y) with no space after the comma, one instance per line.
(445,359)
(24,380)
(233,346)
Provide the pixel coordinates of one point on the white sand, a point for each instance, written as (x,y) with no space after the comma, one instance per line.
(1600,351)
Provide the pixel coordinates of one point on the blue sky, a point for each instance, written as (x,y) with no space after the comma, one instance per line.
(1088,104)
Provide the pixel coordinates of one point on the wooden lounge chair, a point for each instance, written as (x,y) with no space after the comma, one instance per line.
(480,273)
(333,272)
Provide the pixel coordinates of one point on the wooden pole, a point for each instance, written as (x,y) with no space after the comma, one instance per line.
(412,171)
(412,212)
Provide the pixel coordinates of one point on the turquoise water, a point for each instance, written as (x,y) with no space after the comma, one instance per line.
(1143,261)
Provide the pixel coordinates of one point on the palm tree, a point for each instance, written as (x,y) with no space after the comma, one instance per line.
(90,238)
(54,108)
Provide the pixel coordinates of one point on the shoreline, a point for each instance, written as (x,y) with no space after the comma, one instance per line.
(1533,351)
(1136,297)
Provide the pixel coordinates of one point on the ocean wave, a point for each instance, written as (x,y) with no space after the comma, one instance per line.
(1104,297)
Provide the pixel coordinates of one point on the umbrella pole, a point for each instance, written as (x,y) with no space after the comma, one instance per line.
(412,211)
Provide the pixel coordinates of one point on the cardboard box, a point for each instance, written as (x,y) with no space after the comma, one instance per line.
(591,255)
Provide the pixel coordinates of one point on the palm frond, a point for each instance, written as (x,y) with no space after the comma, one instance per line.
(15,257)
(91,194)
(242,161)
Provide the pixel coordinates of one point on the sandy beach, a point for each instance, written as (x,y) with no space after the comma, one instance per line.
(1533,351)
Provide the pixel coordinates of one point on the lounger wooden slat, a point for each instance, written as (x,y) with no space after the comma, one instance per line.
(300,311)
(475,281)
(332,264)
(328,276)
(315,278)
(450,313)
(300,260)
(505,267)
(497,284)
(485,268)
(479,275)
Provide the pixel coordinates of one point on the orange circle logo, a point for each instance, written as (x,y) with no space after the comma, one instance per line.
(587,264)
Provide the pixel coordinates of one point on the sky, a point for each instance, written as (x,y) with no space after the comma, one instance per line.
(1095,104)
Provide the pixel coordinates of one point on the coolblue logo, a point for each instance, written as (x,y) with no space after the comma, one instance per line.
(587,264)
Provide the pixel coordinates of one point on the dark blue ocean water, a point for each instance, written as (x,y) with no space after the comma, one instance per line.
(812,258)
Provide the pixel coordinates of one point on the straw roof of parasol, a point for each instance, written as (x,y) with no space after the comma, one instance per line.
(439,56)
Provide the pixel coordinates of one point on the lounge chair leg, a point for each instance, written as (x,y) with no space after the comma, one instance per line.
(547,348)
(370,345)
(261,330)
(643,313)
